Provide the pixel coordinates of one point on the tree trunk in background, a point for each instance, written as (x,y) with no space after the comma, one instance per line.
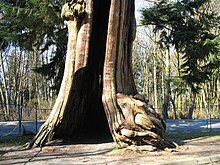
(167,85)
(218,107)
(98,70)
(2,100)
(155,83)
(218,95)
(5,97)
(146,81)
(192,106)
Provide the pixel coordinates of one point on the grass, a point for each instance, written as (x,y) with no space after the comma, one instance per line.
(193,135)
(18,141)
(116,150)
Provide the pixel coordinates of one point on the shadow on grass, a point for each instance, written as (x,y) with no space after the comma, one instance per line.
(19,142)
(15,141)
(181,138)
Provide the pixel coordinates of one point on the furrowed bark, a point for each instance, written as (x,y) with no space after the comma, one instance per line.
(99,70)
(131,119)
(60,123)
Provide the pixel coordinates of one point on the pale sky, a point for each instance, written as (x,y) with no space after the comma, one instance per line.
(138,5)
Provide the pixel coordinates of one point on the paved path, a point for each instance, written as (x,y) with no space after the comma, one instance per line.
(173,126)
(10,128)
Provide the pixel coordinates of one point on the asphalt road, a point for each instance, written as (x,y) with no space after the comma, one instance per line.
(10,128)
(178,126)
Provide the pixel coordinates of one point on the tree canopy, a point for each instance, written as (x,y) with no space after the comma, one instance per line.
(191,27)
(35,25)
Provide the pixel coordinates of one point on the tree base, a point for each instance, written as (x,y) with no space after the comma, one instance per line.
(141,124)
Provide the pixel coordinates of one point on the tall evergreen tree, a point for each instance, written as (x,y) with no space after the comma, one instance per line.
(35,25)
(188,25)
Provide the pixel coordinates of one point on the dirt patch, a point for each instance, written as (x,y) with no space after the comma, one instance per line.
(109,153)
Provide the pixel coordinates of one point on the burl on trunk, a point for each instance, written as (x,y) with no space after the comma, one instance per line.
(98,87)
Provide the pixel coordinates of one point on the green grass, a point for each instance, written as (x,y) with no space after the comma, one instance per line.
(15,141)
(194,135)
(116,150)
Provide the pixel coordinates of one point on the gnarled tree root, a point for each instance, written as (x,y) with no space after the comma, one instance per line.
(141,124)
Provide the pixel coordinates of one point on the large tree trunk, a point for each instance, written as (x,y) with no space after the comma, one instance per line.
(98,72)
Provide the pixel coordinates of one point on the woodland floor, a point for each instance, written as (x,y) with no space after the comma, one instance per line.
(104,151)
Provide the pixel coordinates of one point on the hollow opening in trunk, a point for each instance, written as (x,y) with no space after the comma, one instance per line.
(95,119)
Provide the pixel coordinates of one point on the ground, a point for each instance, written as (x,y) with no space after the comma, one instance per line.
(104,151)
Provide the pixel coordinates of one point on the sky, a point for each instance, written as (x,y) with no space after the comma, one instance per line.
(138,5)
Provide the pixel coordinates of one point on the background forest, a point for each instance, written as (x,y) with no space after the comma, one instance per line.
(176,58)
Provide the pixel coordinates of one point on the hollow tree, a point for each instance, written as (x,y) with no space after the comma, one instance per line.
(98,89)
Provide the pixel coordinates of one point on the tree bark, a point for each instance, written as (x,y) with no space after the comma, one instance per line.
(192,106)
(98,72)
